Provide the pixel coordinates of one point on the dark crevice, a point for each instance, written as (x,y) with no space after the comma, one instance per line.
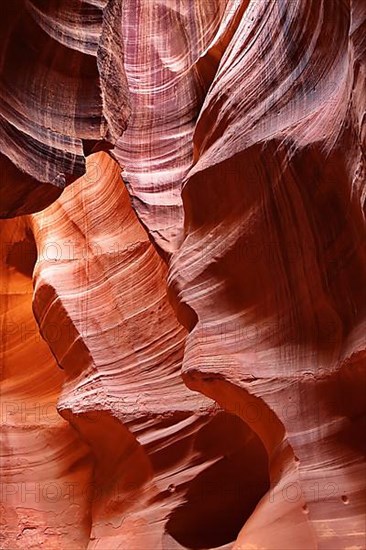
(220,499)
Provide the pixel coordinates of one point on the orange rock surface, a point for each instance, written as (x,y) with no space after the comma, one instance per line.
(183,277)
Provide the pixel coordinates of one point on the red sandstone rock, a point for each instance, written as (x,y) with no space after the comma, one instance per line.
(45,468)
(63,90)
(273,263)
(204,326)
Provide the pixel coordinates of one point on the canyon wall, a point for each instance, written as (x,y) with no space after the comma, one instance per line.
(183,274)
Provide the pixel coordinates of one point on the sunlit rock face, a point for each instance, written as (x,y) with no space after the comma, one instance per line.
(167,463)
(46,470)
(183,316)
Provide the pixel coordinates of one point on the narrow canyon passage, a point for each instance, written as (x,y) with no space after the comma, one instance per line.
(181,461)
(183,269)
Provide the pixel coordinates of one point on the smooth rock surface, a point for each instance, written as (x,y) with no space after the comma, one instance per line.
(190,361)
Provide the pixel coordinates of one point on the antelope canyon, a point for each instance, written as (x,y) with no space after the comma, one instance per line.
(183,274)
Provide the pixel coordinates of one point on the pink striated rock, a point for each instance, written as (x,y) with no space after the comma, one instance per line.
(100,281)
(46,470)
(273,263)
(203,319)
(63,94)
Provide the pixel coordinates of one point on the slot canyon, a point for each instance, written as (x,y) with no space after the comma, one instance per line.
(183,274)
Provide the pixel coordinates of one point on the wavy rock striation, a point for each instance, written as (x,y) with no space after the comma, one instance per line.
(273,263)
(172,51)
(63,91)
(46,471)
(161,453)
(244,161)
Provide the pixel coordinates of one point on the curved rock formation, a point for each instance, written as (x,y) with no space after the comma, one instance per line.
(101,305)
(273,263)
(172,54)
(63,90)
(46,471)
(230,261)
(164,42)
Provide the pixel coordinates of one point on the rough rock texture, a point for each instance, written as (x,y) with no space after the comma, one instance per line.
(203,325)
